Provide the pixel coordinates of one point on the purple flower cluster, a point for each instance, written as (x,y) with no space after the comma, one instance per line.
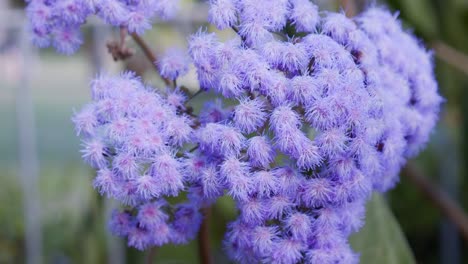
(132,136)
(58,22)
(320,121)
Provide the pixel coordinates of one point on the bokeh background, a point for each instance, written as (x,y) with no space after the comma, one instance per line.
(46,197)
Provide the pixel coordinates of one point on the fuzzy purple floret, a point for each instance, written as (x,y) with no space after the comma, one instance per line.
(58,22)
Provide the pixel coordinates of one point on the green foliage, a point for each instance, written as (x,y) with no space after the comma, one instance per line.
(381,240)
(73,219)
(423,16)
(434,21)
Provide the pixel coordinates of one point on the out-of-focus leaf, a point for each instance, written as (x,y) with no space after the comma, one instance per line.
(381,239)
(422,16)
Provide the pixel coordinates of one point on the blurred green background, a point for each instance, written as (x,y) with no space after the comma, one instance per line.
(73,216)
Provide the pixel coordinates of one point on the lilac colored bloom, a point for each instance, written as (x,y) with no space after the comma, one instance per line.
(317,192)
(165,9)
(94,153)
(273,18)
(253,210)
(173,64)
(289,180)
(230,84)
(312,126)
(105,182)
(220,139)
(284,119)
(139,238)
(166,170)
(263,239)
(338,26)
(67,39)
(300,226)
(187,221)
(212,183)
(308,156)
(179,130)
(126,165)
(352,215)
(340,151)
(147,187)
(237,176)
(131,135)
(201,45)
(85,121)
(305,89)
(304,15)
(137,22)
(176,98)
(260,151)
(332,141)
(249,115)
(222,13)
(161,235)
(112,12)
(238,242)
(293,58)
(276,87)
(120,222)
(285,56)
(286,251)
(266,183)
(329,255)
(59,22)
(278,205)
(152,214)
(213,112)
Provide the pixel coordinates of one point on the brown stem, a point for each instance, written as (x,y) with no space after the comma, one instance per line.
(151,254)
(451,56)
(204,247)
(350,7)
(179,154)
(237,30)
(150,55)
(118,48)
(439,198)
(123,35)
(195,95)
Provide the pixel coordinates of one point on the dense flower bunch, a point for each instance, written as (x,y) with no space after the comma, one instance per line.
(322,121)
(131,136)
(327,110)
(58,22)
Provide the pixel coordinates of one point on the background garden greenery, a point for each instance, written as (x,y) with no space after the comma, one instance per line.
(73,215)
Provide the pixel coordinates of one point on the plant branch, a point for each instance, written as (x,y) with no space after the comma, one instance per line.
(200,91)
(123,35)
(439,199)
(150,55)
(204,247)
(118,48)
(451,56)
(350,7)
(237,30)
(151,254)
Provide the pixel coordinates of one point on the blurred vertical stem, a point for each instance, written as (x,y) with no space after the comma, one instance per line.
(204,245)
(28,161)
(151,254)
(350,7)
